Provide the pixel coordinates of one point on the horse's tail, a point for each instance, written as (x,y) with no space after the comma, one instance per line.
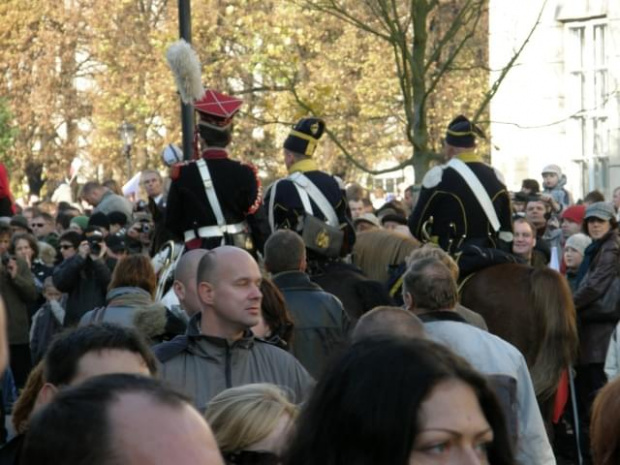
(555,314)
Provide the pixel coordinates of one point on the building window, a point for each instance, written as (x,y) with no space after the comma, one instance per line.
(587,94)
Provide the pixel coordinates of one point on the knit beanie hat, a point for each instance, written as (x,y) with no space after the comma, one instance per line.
(81,221)
(574,213)
(552,169)
(579,242)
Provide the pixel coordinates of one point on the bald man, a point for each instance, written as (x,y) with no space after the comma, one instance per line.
(185,281)
(219,350)
(388,322)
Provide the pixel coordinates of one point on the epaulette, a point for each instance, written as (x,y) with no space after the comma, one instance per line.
(259,189)
(433,177)
(499,175)
(175,170)
(340,182)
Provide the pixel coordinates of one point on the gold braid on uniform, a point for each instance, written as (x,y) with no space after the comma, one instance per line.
(259,189)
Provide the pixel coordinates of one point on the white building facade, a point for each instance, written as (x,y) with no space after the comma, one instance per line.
(560,103)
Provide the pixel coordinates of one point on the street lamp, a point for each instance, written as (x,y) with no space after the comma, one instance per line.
(127,132)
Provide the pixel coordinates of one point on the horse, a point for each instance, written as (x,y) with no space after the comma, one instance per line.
(357,293)
(532,309)
(377,250)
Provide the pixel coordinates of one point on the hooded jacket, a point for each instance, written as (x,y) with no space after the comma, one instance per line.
(133,307)
(203,366)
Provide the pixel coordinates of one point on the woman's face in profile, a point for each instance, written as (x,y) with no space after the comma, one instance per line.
(453,428)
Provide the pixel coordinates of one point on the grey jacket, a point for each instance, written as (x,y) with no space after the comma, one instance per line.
(110,202)
(203,366)
(491,355)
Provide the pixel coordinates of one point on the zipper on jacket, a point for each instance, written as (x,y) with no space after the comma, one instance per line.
(227,367)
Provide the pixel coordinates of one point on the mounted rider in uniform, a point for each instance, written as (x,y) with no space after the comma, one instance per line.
(310,201)
(463,202)
(214,200)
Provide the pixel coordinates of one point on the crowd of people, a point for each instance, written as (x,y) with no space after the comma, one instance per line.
(305,325)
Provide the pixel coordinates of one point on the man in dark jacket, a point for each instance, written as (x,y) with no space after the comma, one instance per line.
(84,276)
(219,351)
(320,321)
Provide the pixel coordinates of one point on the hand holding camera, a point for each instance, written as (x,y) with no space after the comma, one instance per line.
(10,263)
(84,249)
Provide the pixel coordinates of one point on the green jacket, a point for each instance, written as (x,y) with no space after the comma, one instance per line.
(17,293)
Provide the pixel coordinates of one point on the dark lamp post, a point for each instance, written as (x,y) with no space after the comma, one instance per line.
(127,132)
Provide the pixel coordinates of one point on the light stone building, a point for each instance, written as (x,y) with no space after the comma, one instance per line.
(561,101)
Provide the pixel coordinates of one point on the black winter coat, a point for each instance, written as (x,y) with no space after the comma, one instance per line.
(321,324)
(594,336)
(86,281)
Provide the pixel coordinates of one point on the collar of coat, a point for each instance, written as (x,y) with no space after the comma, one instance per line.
(441,315)
(193,332)
(294,280)
(303,166)
(469,157)
(215,153)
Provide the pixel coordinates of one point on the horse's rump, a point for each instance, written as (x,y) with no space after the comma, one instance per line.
(533,310)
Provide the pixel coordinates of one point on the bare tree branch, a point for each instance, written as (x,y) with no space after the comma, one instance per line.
(332,8)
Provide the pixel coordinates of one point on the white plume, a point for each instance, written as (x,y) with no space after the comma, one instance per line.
(185,66)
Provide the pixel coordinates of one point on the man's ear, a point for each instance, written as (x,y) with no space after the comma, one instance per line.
(408,300)
(303,265)
(206,292)
(179,290)
(46,394)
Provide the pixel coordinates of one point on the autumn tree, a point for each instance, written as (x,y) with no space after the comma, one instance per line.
(386,76)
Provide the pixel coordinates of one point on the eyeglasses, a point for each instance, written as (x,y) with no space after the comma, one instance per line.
(66,246)
(37,225)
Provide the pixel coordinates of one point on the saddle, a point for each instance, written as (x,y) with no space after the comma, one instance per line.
(473,258)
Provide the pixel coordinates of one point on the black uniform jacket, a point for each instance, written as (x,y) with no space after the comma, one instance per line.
(238,190)
(457,216)
(289,211)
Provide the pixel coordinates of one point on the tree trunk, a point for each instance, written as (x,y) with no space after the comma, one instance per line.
(421,162)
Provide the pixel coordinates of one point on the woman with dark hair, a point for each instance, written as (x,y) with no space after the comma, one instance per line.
(400,402)
(26,246)
(596,301)
(129,301)
(276,324)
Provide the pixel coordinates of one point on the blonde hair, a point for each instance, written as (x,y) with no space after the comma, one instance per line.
(432,251)
(47,253)
(244,415)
